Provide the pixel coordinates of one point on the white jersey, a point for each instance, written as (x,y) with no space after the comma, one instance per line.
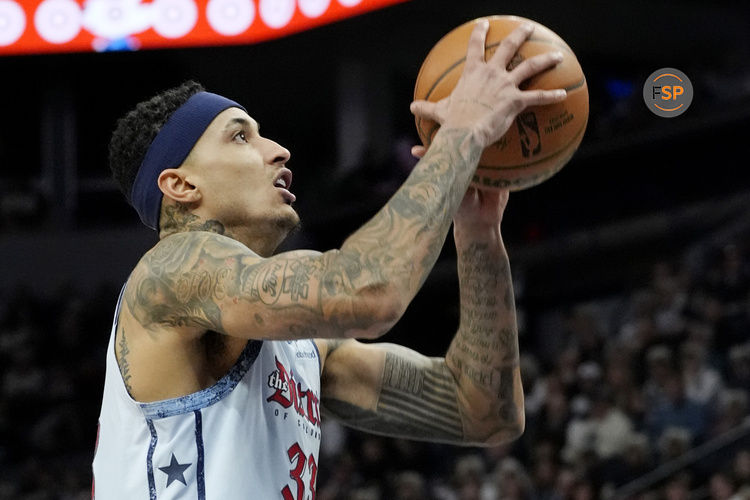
(253,434)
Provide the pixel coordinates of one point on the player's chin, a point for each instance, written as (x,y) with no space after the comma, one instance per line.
(288,218)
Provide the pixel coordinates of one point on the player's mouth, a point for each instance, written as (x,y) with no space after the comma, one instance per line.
(283,182)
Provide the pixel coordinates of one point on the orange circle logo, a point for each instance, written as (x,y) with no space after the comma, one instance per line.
(668,92)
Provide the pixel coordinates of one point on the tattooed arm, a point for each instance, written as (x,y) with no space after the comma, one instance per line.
(391,390)
(484,354)
(474,394)
(198,280)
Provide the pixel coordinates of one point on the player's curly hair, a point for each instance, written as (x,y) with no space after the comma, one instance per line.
(136,130)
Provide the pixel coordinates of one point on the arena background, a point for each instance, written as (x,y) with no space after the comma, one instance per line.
(641,242)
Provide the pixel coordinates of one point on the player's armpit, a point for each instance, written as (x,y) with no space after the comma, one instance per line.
(197,281)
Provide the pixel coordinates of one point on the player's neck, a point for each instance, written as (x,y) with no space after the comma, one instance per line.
(179,219)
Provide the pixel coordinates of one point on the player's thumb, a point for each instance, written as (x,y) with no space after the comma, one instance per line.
(425,109)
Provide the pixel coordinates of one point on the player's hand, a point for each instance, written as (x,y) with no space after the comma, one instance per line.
(481,210)
(487,97)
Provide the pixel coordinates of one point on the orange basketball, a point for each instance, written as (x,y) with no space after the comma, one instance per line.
(543,138)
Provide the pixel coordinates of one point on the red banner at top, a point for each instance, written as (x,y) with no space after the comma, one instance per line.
(48,26)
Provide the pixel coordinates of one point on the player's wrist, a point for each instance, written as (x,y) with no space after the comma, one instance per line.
(471,141)
(467,234)
(476,130)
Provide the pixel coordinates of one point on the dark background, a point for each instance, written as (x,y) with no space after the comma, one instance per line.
(59,110)
(641,189)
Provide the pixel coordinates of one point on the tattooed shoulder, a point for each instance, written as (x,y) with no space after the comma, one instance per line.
(180,280)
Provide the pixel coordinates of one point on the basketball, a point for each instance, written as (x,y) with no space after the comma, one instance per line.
(543,138)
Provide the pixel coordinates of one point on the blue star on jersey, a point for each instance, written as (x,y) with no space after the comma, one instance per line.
(174,471)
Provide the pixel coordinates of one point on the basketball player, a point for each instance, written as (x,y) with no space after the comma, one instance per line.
(223,356)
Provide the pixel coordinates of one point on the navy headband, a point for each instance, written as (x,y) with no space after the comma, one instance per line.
(169,149)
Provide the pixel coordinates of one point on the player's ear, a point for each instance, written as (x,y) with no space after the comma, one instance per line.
(174,184)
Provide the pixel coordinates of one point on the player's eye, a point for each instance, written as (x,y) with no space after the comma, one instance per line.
(239,136)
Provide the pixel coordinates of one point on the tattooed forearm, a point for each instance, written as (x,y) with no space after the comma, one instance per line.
(404,238)
(484,353)
(423,396)
(417,400)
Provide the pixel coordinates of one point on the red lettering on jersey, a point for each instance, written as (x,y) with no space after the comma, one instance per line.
(303,463)
(299,394)
(279,380)
(288,392)
(313,408)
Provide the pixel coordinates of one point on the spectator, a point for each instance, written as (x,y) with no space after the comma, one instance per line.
(620,378)
(673,443)
(410,485)
(675,410)
(732,411)
(468,477)
(341,479)
(722,486)
(534,387)
(565,482)
(555,413)
(739,367)
(638,330)
(731,278)
(510,482)
(586,335)
(583,489)
(702,383)
(671,300)
(678,487)
(612,427)
(634,461)
(659,369)
(741,468)
(544,473)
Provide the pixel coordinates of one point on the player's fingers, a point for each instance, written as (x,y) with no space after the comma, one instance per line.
(542,97)
(475,50)
(424,109)
(511,43)
(535,65)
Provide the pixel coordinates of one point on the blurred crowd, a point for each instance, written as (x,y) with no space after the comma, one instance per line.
(657,379)
(617,388)
(52,357)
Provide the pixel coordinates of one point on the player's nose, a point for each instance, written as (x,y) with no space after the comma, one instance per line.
(275,153)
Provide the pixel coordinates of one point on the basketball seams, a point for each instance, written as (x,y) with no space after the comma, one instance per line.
(580,83)
(527,182)
(462,60)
